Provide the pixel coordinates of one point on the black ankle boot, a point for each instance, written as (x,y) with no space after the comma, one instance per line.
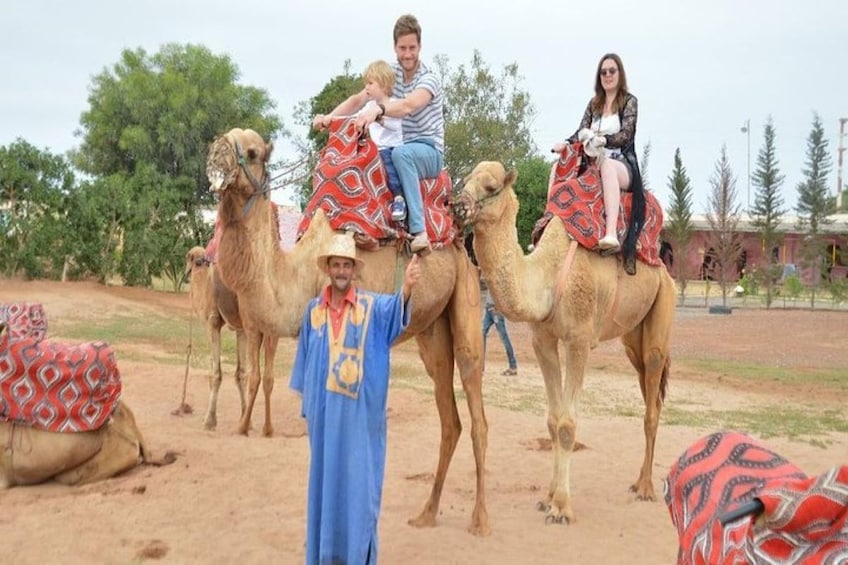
(630,265)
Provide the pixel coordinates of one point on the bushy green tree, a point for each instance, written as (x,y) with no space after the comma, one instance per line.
(814,206)
(678,223)
(488,115)
(531,187)
(34,185)
(339,89)
(768,210)
(148,128)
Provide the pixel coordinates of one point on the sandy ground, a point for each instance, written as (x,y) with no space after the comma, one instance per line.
(233,499)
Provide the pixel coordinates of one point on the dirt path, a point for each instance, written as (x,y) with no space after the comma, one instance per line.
(230,499)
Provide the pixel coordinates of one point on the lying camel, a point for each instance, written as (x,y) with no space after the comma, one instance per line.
(215,306)
(29,456)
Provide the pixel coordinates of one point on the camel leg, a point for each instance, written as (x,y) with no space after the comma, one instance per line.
(545,348)
(563,397)
(254,343)
(436,349)
(270,342)
(241,361)
(213,330)
(647,348)
(468,352)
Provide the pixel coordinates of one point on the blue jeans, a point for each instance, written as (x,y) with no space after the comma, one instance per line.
(489,318)
(392,179)
(414,161)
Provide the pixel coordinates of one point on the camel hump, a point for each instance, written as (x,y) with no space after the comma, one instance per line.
(349,185)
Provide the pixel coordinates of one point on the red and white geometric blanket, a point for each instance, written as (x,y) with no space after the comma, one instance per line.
(52,386)
(349,185)
(805,519)
(24,319)
(577,199)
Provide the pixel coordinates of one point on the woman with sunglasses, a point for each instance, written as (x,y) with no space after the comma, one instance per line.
(611,117)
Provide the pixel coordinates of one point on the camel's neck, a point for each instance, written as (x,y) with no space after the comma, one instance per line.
(522,286)
(273,286)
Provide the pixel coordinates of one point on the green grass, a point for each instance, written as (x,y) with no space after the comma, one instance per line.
(803,423)
(831,378)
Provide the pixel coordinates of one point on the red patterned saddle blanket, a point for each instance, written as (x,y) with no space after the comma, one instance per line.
(23,319)
(805,519)
(577,199)
(52,386)
(349,185)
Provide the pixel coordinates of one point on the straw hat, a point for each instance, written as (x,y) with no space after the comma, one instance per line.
(342,245)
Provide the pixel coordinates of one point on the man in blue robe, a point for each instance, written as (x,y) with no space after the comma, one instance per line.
(342,373)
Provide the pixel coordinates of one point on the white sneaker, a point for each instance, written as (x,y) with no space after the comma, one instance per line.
(420,242)
(608,242)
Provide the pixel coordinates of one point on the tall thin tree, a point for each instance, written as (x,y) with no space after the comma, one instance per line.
(768,210)
(678,226)
(723,219)
(814,206)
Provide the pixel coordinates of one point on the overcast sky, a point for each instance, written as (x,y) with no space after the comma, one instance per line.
(699,69)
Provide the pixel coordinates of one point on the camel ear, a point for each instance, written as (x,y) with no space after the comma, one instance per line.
(269,148)
(510,177)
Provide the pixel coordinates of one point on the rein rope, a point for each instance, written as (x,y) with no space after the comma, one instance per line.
(264,188)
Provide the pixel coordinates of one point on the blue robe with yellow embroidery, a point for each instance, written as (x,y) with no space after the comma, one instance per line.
(344,383)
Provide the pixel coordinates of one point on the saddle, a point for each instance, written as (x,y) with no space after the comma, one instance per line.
(53,386)
(349,185)
(804,519)
(576,198)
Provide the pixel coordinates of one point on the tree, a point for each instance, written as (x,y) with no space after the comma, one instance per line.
(679,224)
(339,89)
(768,209)
(487,117)
(531,188)
(34,185)
(643,165)
(148,127)
(723,219)
(814,206)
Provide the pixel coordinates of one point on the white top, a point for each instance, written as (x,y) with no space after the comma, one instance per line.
(389,133)
(608,125)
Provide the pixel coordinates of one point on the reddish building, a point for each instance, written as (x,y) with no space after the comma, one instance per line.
(788,252)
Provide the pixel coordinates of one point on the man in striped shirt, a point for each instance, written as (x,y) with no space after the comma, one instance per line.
(418,99)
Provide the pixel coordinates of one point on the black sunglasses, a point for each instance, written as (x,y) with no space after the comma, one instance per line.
(609,71)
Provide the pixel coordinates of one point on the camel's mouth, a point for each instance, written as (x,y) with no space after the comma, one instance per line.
(465,208)
(221,165)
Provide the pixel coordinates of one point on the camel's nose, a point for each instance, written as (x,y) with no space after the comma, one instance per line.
(216,180)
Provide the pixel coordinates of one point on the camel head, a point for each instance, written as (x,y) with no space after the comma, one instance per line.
(483,197)
(237,162)
(196,257)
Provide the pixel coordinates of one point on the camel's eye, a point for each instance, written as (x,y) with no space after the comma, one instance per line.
(252,154)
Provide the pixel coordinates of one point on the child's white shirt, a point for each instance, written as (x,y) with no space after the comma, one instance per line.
(389,133)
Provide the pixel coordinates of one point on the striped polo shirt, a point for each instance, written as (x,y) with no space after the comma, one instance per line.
(429,121)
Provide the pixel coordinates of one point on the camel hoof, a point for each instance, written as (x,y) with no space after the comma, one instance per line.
(643,494)
(543,506)
(423,521)
(551,519)
(210,425)
(480,530)
(480,522)
(268,431)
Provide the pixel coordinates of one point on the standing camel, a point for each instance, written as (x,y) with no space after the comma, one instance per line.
(274,286)
(215,305)
(578,302)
